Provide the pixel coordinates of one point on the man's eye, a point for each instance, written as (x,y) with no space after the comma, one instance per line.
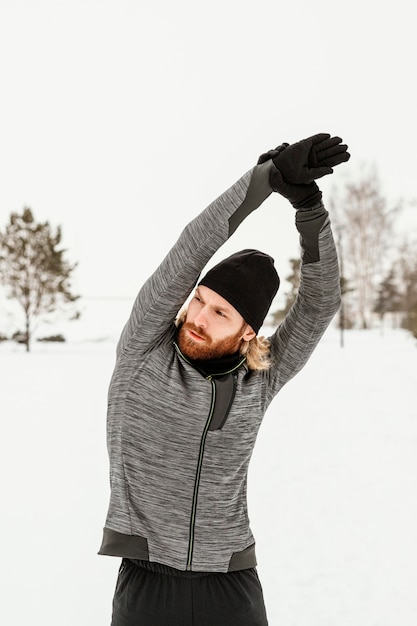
(220,313)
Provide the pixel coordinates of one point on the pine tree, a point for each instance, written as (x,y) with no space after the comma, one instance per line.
(33,268)
(407,265)
(294,280)
(388,297)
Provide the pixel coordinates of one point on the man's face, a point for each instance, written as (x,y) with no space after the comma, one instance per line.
(212,327)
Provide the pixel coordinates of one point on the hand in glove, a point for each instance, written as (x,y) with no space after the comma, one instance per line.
(299,164)
(311,158)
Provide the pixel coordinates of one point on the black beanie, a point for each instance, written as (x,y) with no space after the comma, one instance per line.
(249,281)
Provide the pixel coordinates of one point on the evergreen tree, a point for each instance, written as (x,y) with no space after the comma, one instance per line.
(389,299)
(33,268)
(294,279)
(408,276)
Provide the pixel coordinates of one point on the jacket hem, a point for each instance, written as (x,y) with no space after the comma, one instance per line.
(128,546)
(245,559)
(136,547)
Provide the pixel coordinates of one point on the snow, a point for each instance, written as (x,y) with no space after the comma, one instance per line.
(332,489)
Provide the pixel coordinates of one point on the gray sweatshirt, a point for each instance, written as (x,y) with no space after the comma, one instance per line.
(178,460)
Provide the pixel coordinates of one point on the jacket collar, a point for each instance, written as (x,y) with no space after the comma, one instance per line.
(214,367)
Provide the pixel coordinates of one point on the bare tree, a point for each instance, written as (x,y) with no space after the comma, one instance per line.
(33,269)
(362,213)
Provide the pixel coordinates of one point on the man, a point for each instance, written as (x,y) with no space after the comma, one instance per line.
(188,395)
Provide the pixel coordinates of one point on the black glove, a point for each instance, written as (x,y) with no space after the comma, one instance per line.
(311,158)
(299,164)
(327,152)
(304,196)
(272,153)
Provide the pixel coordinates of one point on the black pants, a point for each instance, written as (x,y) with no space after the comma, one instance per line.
(155,595)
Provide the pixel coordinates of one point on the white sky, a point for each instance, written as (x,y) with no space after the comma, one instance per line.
(121,120)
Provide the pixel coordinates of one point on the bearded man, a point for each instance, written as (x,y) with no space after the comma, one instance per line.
(189,392)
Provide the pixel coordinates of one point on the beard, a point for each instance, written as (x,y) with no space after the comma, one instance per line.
(209,348)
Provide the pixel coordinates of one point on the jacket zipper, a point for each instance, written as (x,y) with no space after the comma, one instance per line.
(198,475)
(201,453)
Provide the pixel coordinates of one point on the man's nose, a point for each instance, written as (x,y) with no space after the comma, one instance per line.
(201,318)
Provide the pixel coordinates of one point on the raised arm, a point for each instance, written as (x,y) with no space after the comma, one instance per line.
(166,290)
(295,169)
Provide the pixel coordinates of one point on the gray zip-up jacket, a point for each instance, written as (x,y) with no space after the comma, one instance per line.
(179,453)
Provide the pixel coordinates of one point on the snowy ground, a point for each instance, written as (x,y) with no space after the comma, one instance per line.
(332,493)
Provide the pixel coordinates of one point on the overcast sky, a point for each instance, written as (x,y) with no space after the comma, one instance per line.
(122,119)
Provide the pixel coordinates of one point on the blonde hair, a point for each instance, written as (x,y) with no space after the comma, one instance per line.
(257,350)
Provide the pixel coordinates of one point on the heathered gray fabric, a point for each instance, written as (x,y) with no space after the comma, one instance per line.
(159,439)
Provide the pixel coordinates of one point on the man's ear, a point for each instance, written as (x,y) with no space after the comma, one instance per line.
(248,334)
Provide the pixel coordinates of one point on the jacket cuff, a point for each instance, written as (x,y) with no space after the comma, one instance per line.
(309,224)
